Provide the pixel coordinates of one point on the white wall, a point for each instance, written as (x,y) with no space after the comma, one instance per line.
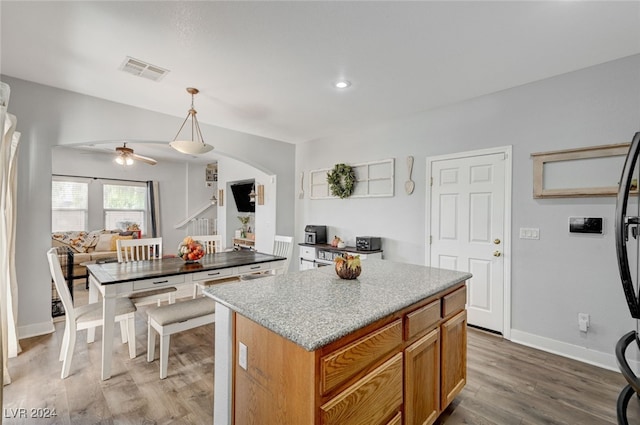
(49,117)
(553,278)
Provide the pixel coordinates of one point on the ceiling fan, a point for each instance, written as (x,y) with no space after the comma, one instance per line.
(126,156)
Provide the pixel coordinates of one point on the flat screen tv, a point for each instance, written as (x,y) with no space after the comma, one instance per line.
(241,196)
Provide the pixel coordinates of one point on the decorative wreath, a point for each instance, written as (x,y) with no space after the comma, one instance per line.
(335,178)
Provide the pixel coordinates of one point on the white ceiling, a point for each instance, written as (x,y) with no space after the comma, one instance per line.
(267,68)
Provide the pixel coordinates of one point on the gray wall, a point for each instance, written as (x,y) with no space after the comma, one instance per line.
(553,278)
(48,117)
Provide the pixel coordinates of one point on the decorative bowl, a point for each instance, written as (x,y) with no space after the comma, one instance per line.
(190,250)
(348,266)
(347,273)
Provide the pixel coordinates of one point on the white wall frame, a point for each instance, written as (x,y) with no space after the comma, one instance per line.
(507,151)
(374,179)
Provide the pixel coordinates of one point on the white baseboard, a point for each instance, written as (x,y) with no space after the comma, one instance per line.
(576,352)
(36,329)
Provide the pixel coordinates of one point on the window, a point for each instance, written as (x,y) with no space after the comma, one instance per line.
(124,205)
(69,204)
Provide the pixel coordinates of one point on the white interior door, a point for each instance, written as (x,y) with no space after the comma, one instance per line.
(467,228)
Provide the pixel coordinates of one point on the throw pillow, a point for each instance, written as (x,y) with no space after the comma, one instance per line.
(104,243)
(114,240)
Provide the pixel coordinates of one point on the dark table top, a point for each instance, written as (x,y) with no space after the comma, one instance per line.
(112,273)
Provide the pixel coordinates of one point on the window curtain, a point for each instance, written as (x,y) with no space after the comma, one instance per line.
(154,208)
(8,203)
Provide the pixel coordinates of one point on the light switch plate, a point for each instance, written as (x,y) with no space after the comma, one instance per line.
(242,355)
(529,233)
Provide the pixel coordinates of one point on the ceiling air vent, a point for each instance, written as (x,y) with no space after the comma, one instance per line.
(143,69)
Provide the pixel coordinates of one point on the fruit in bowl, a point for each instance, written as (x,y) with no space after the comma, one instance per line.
(348,266)
(190,250)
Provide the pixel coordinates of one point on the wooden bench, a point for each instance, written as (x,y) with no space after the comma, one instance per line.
(173,318)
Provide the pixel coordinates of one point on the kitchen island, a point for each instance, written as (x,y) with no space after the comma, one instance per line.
(310,348)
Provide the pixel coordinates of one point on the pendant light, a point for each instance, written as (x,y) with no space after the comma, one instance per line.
(196,145)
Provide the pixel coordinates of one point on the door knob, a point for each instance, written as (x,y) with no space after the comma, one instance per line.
(496,241)
(497,253)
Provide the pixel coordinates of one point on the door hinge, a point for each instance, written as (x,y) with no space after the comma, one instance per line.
(430,239)
(431,184)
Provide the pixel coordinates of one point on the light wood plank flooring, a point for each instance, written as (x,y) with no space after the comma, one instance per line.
(507,384)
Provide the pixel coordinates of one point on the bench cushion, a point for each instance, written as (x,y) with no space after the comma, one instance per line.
(182,311)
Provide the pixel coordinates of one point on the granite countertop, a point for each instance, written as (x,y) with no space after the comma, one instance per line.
(315,307)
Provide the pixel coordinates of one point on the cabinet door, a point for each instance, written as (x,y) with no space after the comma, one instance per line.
(454,357)
(422,380)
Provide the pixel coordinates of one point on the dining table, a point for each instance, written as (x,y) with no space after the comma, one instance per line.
(113,280)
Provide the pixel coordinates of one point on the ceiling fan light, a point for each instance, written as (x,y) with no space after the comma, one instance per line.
(128,160)
(190,147)
(119,160)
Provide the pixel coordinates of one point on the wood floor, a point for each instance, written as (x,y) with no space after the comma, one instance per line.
(507,384)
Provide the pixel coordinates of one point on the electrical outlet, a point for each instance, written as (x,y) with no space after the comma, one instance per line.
(583,322)
(242,355)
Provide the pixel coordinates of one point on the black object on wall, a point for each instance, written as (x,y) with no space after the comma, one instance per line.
(241,196)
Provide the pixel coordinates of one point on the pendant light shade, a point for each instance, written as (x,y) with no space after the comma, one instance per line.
(196,145)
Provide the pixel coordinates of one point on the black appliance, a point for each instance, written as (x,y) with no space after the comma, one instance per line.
(241,192)
(315,234)
(368,243)
(627,224)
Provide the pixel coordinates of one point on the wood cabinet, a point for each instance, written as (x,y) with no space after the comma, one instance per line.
(454,357)
(422,380)
(369,400)
(402,370)
(244,242)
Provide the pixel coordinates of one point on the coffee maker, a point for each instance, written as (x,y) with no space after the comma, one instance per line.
(315,234)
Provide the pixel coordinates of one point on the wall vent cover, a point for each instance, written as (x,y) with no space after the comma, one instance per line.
(143,69)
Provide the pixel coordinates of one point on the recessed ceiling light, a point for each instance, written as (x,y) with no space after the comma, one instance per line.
(342,84)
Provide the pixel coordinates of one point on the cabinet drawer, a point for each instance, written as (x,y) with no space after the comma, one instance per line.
(370,400)
(454,302)
(307,253)
(422,319)
(337,367)
(158,282)
(256,267)
(212,274)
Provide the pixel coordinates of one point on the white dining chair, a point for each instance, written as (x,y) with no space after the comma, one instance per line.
(283,247)
(87,316)
(211,244)
(139,250)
